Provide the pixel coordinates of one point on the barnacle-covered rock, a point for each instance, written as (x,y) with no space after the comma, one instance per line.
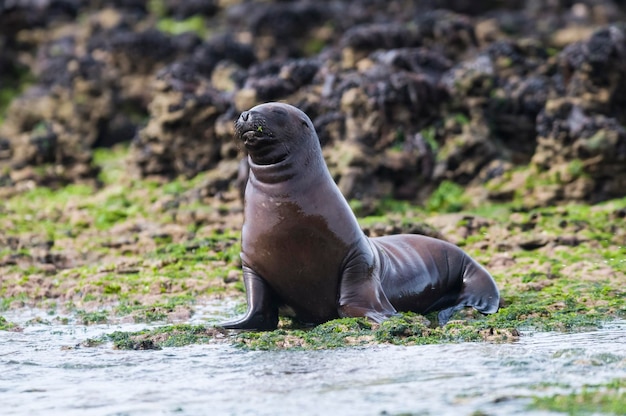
(180,138)
(505,87)
(403,94)
(277,79)
(184,9)
(595,71)
(585,153)
(279,29)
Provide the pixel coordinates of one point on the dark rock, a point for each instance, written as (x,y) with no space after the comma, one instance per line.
(273,80)
(22,14)
(596,70)
(222,47)
(369,38)
(184,9)
(180,138)
(585,153)
(403,94)
(447,32)
(278,29)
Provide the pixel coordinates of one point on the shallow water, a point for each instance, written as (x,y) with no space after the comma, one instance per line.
(39,375)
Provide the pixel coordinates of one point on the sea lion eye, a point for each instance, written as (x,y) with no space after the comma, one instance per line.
(305,124)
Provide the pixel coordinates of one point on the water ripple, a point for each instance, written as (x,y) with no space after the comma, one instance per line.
(40,376)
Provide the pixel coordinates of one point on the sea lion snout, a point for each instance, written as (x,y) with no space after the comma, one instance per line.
(256,127)
(250,127)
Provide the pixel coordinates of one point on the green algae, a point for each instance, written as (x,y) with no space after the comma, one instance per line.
(333,334)
(157,311)
(166,336)
(195,24)
(607,398)
(112,162)
(107,251)
(448,197)
(6,325)
(403,329)
(91,318)
(382,207)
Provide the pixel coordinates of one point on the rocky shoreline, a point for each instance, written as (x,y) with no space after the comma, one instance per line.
(120,178)
(523,102)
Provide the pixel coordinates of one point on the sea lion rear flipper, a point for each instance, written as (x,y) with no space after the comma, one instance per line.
(444,315)
(361,294)
(262,314)
(478,290)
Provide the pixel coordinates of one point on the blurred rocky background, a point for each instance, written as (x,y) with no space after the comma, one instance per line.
(508,100)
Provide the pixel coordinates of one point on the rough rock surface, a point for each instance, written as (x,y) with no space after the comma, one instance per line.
(403,95)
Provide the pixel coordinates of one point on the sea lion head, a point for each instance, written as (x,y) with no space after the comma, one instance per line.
(275,132)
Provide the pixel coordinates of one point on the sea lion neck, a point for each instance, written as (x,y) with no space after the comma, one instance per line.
(272,173)
(293,168)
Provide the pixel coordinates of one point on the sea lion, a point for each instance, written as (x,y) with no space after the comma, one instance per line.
(302,247)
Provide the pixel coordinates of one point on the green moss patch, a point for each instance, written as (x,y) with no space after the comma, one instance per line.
(89,318)
(151,250)
(599,399)
(7,326)
(448,197)
(195,24)
(404,329)
(167,336)
(145,245)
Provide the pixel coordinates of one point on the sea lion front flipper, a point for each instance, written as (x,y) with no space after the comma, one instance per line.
(262,314)
(361,294)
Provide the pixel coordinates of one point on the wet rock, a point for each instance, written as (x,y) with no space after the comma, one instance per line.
(501,91)
(450,33)
(398,226)
(83,81)
(584,154)
(384,106)
(420,60)
(463,156)
(360,41)
(273,80)
(94,85)
(43,132)
(579,145)
(134,52)
(533,242)
(222,47)
(457,227)
(25,14)
(180,137)
(278,29)
(595,71)
(185,9)
(191,113)
(403,95)
(378,115)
